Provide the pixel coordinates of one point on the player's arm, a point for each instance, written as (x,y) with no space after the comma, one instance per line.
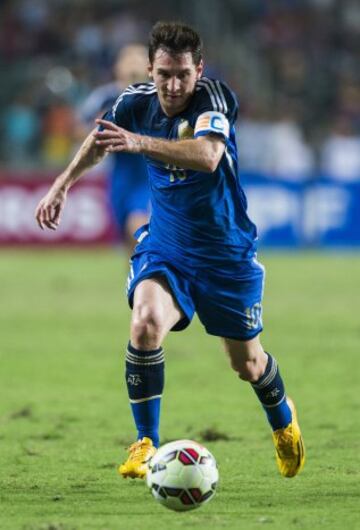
(50,207)
(200,154)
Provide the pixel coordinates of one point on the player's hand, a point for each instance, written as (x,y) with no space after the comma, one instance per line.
(49,209)
(115,139)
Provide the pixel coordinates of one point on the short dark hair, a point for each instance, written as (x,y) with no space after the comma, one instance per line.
(175,38)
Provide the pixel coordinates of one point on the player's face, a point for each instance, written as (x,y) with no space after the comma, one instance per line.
(175,77)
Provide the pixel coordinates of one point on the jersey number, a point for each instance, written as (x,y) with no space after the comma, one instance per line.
(177,174)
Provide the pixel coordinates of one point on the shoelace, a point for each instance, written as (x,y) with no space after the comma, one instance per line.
(137,450)
(285,445)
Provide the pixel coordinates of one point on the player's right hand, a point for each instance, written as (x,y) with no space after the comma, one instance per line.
(49,209)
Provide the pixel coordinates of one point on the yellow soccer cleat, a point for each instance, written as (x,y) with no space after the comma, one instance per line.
(140,453)
(289,445)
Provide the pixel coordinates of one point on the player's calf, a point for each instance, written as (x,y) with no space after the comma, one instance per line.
(154,313)
(270,390)
(247,358)
(281,414)
(145,383)
(252,364)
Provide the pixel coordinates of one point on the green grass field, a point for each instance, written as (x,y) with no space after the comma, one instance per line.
(64,418)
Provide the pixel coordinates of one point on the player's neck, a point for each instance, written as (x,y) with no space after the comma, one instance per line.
(169,113)
(172,114)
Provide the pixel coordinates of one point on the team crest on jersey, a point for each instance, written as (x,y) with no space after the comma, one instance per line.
(185,131)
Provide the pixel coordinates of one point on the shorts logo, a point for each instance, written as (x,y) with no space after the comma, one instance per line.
(253,316)
(134,379)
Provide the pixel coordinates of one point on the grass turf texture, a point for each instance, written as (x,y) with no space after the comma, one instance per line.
(64,411)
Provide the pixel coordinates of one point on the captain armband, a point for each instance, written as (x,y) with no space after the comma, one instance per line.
(212,122)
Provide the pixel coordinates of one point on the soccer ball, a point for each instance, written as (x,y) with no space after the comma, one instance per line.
(182,475)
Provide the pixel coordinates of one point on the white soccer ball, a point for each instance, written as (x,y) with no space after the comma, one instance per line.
(182,475)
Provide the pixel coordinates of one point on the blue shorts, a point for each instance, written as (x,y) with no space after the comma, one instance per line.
(227,307)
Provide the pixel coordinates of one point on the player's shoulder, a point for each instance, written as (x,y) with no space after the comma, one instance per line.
(140,90)
(217,95)
(136,94)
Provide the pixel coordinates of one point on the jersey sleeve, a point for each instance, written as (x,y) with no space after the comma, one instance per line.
(120,110)
(131,107)
(216,109)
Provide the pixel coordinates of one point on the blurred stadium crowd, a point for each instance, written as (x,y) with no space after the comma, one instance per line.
(294,65)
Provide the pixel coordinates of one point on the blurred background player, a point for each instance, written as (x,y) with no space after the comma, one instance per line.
(127,175)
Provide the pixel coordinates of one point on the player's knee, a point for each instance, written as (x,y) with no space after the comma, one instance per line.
(146,328)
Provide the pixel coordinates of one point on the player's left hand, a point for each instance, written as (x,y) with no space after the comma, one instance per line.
(115,139)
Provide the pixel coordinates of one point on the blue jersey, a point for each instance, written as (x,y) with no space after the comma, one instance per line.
(198,219)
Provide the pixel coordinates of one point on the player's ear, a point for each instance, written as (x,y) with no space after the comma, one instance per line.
(150,70)
(199,69)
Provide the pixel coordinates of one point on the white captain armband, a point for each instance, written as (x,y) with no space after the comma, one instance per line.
(212,122)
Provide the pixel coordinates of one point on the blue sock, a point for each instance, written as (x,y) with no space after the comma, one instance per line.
(271,392)
(145,383)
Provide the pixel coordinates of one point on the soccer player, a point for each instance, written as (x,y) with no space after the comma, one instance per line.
(128,186)
(198,253)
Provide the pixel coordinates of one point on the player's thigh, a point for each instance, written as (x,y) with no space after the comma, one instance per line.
(231,306)
(154,304)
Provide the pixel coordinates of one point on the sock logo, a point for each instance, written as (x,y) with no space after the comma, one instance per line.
(134,379)
(273,393)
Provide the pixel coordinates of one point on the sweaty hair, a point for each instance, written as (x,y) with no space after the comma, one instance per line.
(175,38)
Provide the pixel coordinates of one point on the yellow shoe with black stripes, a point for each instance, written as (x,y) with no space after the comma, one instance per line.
(289,445)
(140,453)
